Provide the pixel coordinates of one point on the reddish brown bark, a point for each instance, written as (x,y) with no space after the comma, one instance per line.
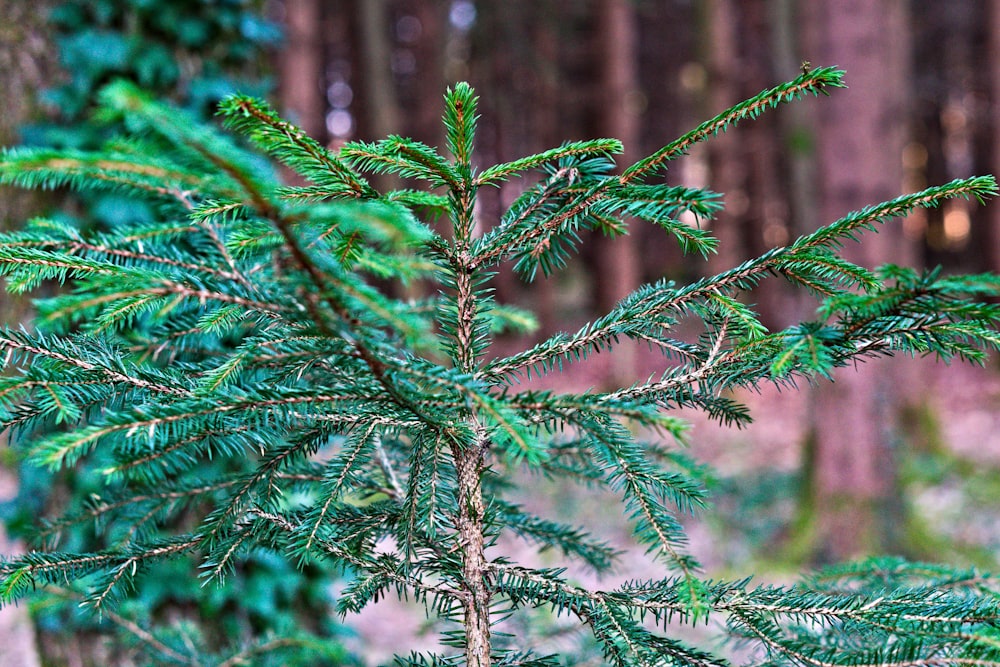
(727,169)
(993,113)
(301,66)
(377,83)
(860,138)
(27,64)
(429,80)
(617,259)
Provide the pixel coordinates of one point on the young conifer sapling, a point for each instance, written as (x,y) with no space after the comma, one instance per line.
(255,323)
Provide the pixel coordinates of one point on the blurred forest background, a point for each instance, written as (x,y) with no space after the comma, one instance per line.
(915,476)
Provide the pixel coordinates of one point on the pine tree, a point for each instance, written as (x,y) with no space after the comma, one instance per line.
(254,323)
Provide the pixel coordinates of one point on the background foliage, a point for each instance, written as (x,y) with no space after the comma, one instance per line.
(193,53)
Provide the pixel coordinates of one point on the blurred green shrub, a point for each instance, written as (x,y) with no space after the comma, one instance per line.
(193,53)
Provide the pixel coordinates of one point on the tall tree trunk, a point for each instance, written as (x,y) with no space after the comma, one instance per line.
(26,64)
(745,164)
(859,148)
(797,135)
(720,52)
(382,113)
(381,101)
(765,223)
(429,84)
(301,66)
(984,71)
(544,125)
(993,113)
(669,110)
(617,259)
(954,121)
(517,58)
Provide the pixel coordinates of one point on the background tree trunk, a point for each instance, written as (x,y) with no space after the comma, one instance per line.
(993,117)
(746,162)
(670,90)
(26,66)
(301,66)
(861,134)
(375,59)
(797,136)
(720,52)
(425,85)
(617,259)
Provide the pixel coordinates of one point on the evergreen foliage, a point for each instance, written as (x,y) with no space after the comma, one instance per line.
(255,325)
(194,54)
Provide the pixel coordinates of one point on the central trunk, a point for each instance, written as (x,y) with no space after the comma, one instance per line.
(476,598)
(469,458)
